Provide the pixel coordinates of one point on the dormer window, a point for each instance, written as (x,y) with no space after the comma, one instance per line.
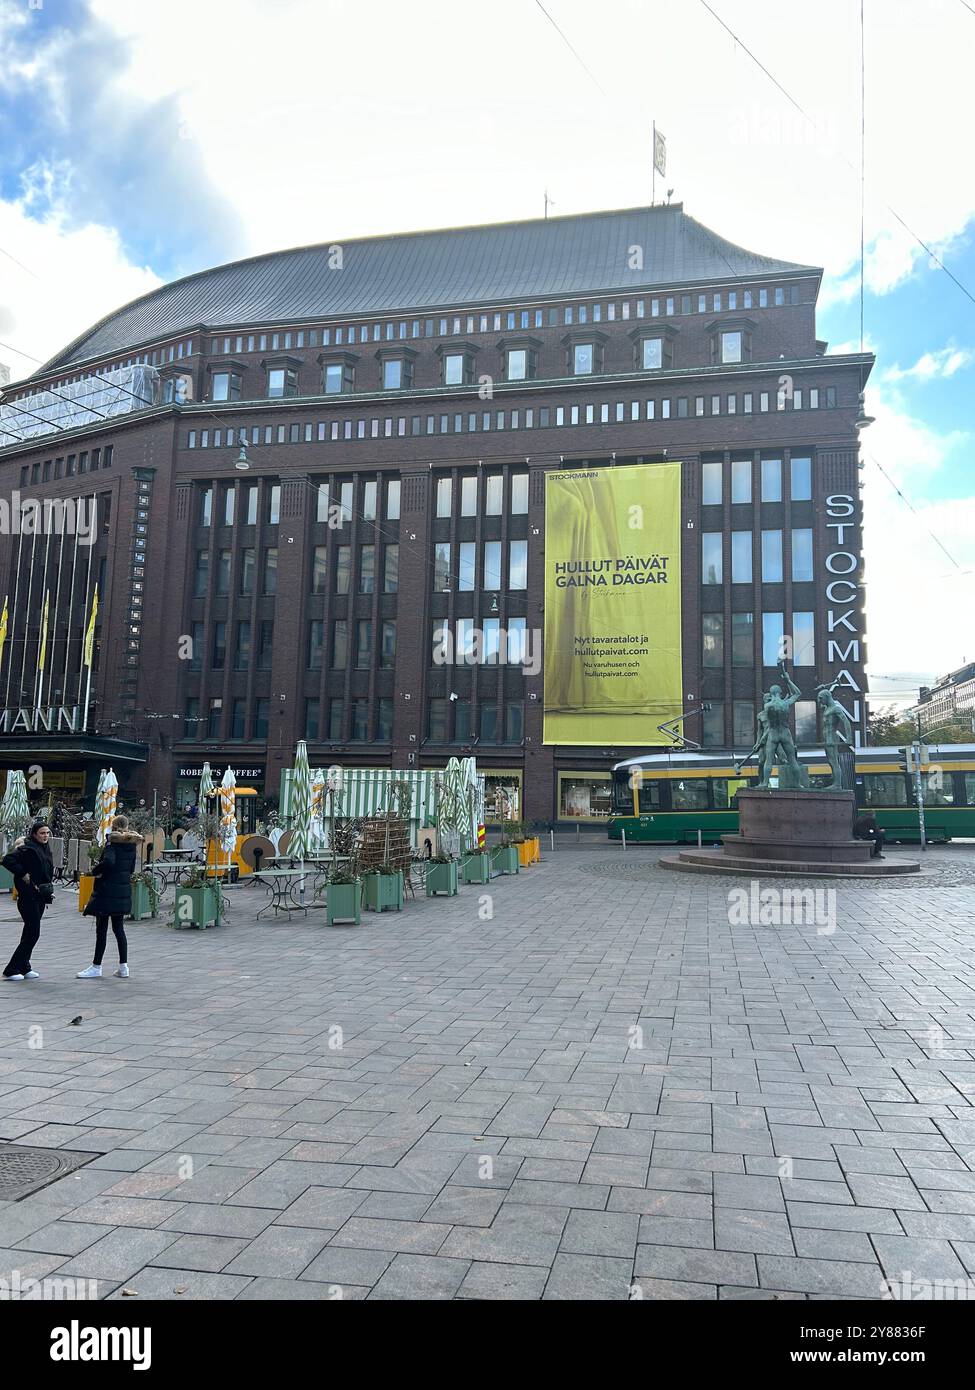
(731,341)
(225,386)
(520,357)
(338,372)
(653,348)
(282,376)
(396,368)
(457,363)
(584,352)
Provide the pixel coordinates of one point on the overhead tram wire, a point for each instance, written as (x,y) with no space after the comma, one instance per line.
(910,504)
(846,160)
(578,57)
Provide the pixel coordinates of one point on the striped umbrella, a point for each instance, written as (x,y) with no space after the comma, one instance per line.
(14,808)
(108,804)
(228,812)
(301,806)
(470,809)
(449,810)
(206,788)
(99,800)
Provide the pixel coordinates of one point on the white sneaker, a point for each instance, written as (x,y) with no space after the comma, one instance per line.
(94,972)
(13,977)
(32,975)
(122,972)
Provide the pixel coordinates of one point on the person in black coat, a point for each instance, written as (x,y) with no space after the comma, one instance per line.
(32,866)
(112,896)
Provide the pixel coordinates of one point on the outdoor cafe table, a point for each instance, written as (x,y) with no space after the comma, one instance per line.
(283,887)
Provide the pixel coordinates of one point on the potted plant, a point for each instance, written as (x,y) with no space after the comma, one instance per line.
(383,888)
(86,881)
(344,896)
(197,901)
(523,844)
(475,866)
(441,876)
(145,896)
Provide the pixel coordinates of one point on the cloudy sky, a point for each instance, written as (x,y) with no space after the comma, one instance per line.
(141,142)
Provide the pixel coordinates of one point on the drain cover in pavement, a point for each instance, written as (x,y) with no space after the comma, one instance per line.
(24,1170)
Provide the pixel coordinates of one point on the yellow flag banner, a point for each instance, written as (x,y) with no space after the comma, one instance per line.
(612,604)
(90,632)
(42,655)
(3,626)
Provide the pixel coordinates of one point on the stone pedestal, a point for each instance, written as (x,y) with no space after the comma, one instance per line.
(792,832)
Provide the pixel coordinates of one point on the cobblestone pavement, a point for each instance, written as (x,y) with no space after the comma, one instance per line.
(605,1090)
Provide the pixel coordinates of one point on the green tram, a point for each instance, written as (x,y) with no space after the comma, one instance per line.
(670,797)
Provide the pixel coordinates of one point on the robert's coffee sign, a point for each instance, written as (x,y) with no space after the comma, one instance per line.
(241,774)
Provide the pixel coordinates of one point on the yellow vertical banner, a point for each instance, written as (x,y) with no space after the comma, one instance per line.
(42,654)
(612,604)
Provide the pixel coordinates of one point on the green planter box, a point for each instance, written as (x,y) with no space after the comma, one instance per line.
(195,907)
(343,902)
(505,859)
(382,891)
(442,878)
(6,880)
(476,868)
(142,903)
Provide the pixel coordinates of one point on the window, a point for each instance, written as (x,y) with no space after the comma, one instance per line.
(340,644)
(741,557)
(266,645)
(713,640)
(713,720)
(387,652)
(237,712)
(191,719)
(741,480)
(397,374)
(311,719)
(711,484)
(251,512)
(454,369)
(391,570)
(731,346)
(743,724)
(343,569)
(360,720)
(803,639)
(468,497)
(228,506)
(805,721)
(711,568)
(518,565)
(489,723)
(653,354)
(585,797)
(338,377)
(345,502)
(802,556)
(196,646)
(516,364)
(771,480)
(225,386)
(514,721)
(801,469)
(206,506)
(316,638)
(336,719)
(517,641)
(367,569)
(772,557)
(493,492)
(282,381)
(214,717)
(742,639)
(441,566)
(466,565)
(319,571)
(437,721)
(363,643)
(773,631)
(202,575)
(462,722)
(519,494)
(274,504)
(242,651)
(885,789)
(392,499)
(223,571)
(384,721)
(491,646)
(271,570)
(492,564)
(444,488)
(582,359)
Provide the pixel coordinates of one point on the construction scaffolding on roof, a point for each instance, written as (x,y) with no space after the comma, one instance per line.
(77,403)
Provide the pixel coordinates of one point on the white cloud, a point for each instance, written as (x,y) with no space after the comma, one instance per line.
(944,362)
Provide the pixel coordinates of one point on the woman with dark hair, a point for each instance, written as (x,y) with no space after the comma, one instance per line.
(32,866)
(112,896)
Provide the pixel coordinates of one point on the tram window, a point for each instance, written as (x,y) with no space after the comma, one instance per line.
(719,790)
(884,789)
(622,795)
(649,797)
(970,788)
(690,794)
(937,788)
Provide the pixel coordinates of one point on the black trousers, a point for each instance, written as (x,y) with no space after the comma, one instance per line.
(101,937)
(31,910)
(879,838)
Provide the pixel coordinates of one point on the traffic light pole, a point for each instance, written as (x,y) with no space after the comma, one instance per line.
(919,789)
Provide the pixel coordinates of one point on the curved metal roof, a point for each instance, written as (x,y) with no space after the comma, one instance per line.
(407,273)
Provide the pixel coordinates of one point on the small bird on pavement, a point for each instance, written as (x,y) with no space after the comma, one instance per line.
(73,1023)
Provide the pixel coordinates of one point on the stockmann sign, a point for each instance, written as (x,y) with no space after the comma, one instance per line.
(54,719)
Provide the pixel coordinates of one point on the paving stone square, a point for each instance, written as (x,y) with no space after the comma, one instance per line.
(796,1122)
